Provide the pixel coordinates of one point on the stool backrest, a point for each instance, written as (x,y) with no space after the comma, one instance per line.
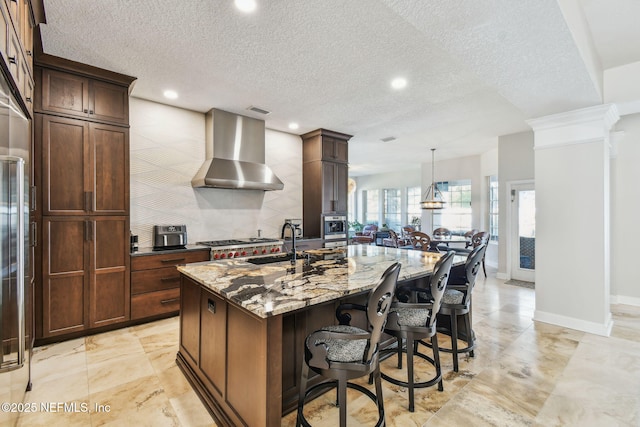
(472,267)
(380,299)
(438,283)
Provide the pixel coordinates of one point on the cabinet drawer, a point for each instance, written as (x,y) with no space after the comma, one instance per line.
(154,280)
(146,262)
(154,303)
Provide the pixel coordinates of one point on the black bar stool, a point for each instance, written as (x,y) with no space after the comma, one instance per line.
(414,322)
(343,352)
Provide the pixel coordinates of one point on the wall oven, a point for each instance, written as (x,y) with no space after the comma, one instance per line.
(334,227)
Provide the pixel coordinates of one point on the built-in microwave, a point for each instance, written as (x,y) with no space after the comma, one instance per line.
(334,227)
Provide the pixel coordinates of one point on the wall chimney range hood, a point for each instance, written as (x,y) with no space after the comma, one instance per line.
(235,147)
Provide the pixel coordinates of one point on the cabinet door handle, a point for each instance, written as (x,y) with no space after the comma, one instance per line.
(12,59)
(88,201)
(33,236)
(164,261)
(90,111)
(169,279)
(29,53)
(169,301)
(33,198)
(28,99)
(88,231)
(85,111)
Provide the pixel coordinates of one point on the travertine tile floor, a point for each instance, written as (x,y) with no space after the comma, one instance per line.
(523,373)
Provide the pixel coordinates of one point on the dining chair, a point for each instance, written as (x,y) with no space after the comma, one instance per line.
(469,237)
(342,352)
(440,233)
(420,240)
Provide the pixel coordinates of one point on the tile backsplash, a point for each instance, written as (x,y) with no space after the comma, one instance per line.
(167,146)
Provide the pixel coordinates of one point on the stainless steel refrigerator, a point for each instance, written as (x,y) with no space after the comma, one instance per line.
(16,337)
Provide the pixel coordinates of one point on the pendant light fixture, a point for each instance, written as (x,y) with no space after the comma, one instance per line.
(433,197)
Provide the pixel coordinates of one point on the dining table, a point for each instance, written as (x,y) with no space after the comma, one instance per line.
(435,241)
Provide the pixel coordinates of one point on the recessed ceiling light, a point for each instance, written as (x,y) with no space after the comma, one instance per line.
(246,6)
(293,126)
(399,83)
(171,94)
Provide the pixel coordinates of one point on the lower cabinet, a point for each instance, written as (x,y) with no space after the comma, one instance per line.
(85,273)
(155,281)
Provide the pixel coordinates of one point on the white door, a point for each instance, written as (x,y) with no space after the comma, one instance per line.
(523,233)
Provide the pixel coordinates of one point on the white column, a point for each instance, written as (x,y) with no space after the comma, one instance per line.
(572,182)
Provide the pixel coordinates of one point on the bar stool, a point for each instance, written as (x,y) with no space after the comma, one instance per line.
(457,302)
(415,321)
(342,352)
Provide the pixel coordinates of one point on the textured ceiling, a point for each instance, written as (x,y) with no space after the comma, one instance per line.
(476,69)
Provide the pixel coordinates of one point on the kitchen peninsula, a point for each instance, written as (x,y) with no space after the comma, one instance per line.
(243,325)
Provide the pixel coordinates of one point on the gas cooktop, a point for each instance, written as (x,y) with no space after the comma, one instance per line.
(235,242)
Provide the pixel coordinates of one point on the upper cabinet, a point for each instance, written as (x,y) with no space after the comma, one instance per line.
(83,97)
(325,145)
(16,48)
(325,173)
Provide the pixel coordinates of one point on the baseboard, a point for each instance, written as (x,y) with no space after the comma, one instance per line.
(603,329)
(622,299)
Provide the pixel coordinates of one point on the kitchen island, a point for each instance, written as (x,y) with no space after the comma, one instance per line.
(243,325)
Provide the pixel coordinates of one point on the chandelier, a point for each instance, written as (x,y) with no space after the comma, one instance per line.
(433,197)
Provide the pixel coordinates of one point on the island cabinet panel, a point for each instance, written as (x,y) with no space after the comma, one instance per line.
(295,329)
(190,320)
(232,357)
(213,332)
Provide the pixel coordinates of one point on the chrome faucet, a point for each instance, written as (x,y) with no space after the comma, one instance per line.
(292,227)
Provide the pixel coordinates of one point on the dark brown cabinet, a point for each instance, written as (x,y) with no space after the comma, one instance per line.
(155,282)
(85,273)
(85,168)
(16,48)
(81,177)
(334,187)
(325,174)
(74,95)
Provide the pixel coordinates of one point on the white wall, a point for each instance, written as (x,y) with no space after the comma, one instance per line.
(167,146)
(516,163)
(625,211)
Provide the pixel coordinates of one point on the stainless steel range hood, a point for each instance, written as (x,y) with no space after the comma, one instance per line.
(235,154)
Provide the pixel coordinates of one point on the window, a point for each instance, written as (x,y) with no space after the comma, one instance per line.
(414,197)
(456,215)
(493,207)
(371,206)
(392,214)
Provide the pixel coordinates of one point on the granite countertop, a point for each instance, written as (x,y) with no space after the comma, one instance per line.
(149,250)
(271,289)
